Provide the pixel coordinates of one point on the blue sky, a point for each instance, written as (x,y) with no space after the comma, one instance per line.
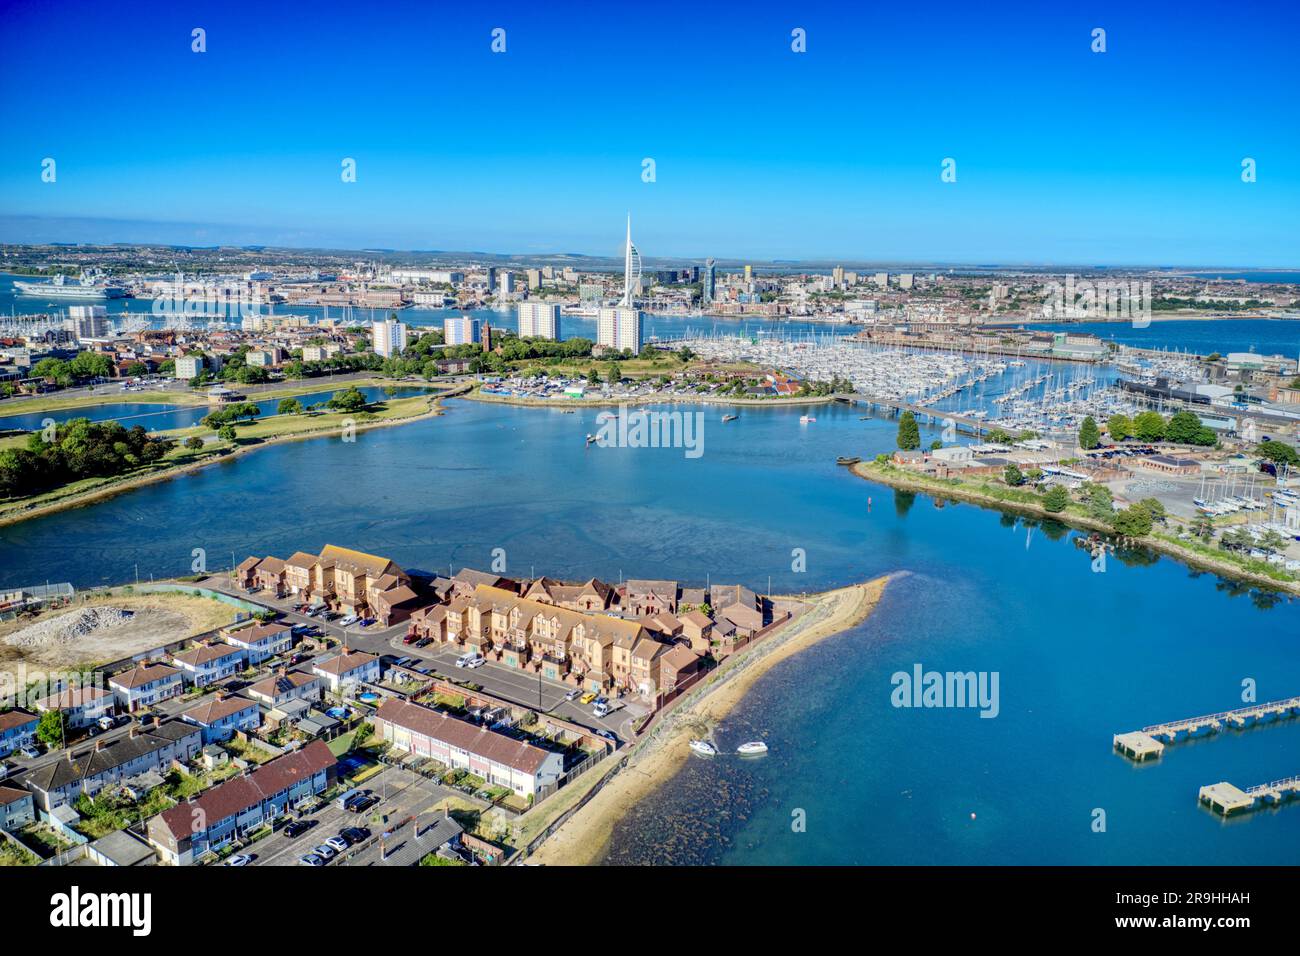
(1062,155)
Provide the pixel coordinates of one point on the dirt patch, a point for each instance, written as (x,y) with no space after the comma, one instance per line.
(107,627)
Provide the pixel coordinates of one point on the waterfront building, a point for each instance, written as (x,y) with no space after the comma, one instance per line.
(539,320)
(462,330)
(506,283)
(619,328)
(388,337)
(500,760)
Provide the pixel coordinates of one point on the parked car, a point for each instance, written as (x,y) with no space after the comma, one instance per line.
(339,843)
(586,698)
(354,835)
(298,827)
(424,642)
(348,621)
(600,710)
(30,752)
(326,852)
(468,660)
(310,859)
(239,859)
(364,804)
(410,638)
(572,695)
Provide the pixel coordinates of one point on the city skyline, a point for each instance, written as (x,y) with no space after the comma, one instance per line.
(755,155)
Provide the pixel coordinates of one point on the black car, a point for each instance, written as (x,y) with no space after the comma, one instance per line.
(298,827)
(354,835)
(363,804)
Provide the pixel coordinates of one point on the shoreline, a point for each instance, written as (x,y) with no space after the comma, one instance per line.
(579,403)
(868,471)
(583,838)
(94,495)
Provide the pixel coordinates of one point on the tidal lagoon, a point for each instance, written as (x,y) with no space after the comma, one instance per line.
(1080,655)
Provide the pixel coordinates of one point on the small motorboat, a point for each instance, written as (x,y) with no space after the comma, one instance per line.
(591,439)
(845,460)
(729,418)
(752,749)
(704,748)
(806,419)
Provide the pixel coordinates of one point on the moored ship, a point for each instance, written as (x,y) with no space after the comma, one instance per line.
(59,287)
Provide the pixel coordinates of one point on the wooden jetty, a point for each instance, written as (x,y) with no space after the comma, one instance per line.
(1225,799)
(1142,744)
(971,426)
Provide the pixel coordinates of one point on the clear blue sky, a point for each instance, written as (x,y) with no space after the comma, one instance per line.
(1128,157)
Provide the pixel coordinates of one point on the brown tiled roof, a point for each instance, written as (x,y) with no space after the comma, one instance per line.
(145,674)
(477,740)
(9,795)
(356,561)
(213,710)
(243,793)
(206,653)
(280,683)
(255,632)
(679,658)
(74,697)
(395,596)
(345,662)
(14,718)
(300,559)
(249,563)
(271,565)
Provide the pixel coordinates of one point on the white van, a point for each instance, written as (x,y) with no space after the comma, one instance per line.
(472,659)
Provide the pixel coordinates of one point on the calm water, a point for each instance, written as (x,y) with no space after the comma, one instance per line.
(1080,655)
(1265,336)
(155,416)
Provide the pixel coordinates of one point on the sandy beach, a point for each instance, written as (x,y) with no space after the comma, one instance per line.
(583,838)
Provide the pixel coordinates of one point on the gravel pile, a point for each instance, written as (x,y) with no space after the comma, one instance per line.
(71,627)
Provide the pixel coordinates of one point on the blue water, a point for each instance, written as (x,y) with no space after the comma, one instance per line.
(1080,655)
(155,416)
(1265,336)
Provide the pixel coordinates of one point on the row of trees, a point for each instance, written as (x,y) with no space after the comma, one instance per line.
(84,366)
(80,449)
(1183,428)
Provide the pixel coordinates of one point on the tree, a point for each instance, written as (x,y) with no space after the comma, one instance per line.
(348,400)
(999,437)
(289,406)
(226,433)
(1119,426)
(136,369)
(194,443)
(1149,426)
(1155,508)
(593,377)
(1203,527)
(1101,504)
(1133,522)
(1089,434)
(1184,428)
(50,728)
(615,373)
(909,435)
(1056,499)
(1013,476)
(936,445)
(1279,452)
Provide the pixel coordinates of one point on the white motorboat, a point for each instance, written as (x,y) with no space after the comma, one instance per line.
(704,748)
(752,749)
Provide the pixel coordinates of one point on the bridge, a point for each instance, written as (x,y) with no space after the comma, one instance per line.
(1226,799)
(972,426)
(1144,743)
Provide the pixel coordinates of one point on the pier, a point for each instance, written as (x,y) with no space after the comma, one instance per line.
(1225,799)
(1140,744)
(929,416)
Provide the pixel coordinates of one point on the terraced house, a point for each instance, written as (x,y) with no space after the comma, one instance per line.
(80,706)
(112,763)
(17,730)
(349,581)
(238,806)
(145,685)
(586,649)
